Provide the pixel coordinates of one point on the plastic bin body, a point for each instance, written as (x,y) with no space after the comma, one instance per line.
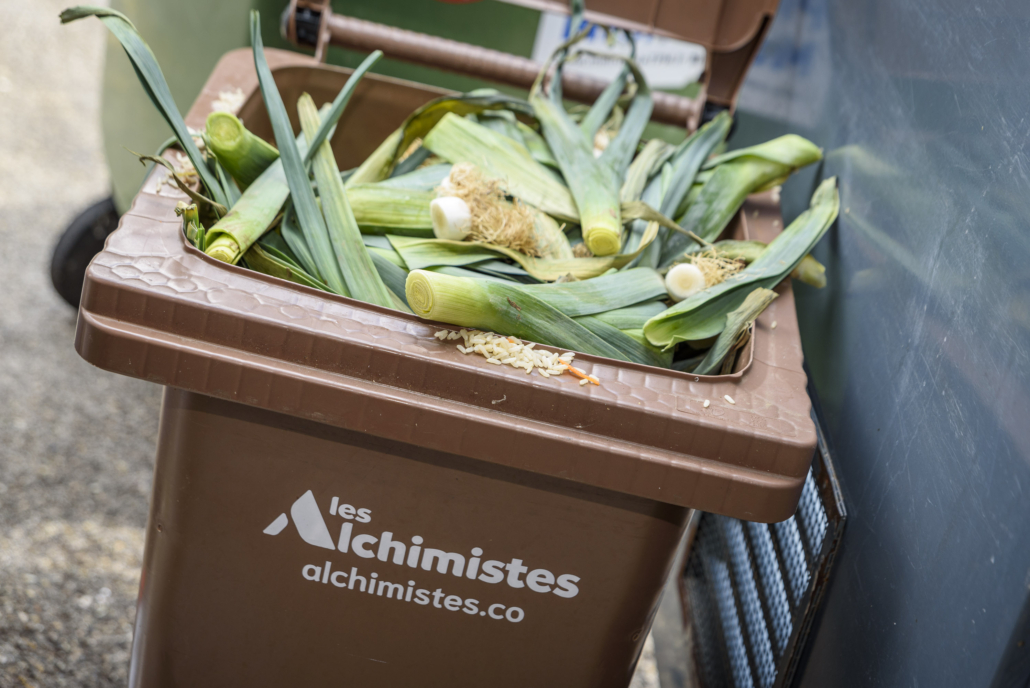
(281,398)
(225,604)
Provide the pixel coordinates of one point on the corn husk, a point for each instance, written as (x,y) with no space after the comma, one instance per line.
(703,315)
(735,176)
(502,308)
(732,337)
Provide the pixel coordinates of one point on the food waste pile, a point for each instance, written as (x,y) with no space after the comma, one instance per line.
(519,219)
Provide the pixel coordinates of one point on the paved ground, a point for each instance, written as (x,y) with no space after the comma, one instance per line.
(76,444)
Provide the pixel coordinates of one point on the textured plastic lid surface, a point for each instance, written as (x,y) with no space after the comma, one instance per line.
(155,308)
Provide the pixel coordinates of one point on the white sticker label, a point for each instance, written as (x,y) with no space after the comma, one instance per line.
(666,63)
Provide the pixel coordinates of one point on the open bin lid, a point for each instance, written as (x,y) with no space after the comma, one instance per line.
(730,30)
(155,308)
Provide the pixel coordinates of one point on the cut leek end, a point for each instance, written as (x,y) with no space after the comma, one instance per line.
(225,249)
(242,154)
(603,241)
(451,218)
(418,289)
(188,212)
(810,271)
(684,280)
(444,298)
(224,130)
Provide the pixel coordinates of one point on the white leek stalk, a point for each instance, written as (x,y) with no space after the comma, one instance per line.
(452,218)
(684,280)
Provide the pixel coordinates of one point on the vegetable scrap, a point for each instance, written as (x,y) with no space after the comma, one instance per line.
(520,221)
(229,100)
(502,350)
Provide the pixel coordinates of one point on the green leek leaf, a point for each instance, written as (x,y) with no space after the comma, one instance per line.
(150,76)
(737,175)
(703,315)
(737,323)
(309,217)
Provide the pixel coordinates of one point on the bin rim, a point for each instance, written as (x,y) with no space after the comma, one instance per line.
(153,308)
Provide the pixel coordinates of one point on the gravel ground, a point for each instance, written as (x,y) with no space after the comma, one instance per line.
(76,444)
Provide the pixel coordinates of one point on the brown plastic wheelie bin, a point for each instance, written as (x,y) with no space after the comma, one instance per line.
(342,499)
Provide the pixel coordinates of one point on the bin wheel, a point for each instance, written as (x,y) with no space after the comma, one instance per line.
(81,240)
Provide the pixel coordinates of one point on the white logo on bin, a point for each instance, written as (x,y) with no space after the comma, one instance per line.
(312,528)
(308,519)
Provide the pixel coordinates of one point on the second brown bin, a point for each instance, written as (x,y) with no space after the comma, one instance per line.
(342,499)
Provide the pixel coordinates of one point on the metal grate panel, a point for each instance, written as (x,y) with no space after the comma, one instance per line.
(750,590)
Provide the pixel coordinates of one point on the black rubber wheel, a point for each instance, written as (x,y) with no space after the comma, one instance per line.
(83,239)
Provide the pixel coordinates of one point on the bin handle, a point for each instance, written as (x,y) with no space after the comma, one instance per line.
(462,58)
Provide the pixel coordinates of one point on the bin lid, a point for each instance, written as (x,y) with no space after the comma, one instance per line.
(731,30)
(155,308)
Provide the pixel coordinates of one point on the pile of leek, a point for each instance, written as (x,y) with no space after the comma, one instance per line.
(610,223)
